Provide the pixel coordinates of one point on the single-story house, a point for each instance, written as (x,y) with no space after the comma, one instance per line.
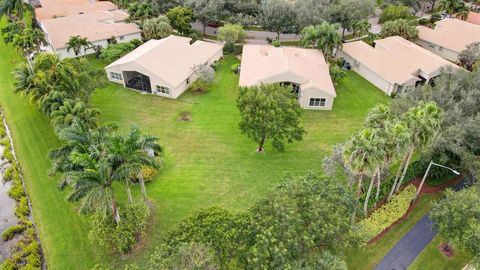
(51,9)
(393,64)
(164,67)
(473,17)
(305,70)
(449,37)
(98,27)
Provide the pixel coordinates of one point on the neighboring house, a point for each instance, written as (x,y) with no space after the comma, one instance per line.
(394,64)
(449,37)
(164,67)
(50,9)
(98,27)
(304,70)
(473,17)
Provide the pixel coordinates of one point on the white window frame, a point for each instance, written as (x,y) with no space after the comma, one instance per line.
(317,102)
(163,90)
(116,76)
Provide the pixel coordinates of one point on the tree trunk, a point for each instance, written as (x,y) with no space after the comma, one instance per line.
(423,181)
(278,36)
(261,143)
(378,185)
(129,192)
(142,185)
(116,215)
(410,154)
(343,33)
(370,187)
(397,176)
(359,188)
(204,24)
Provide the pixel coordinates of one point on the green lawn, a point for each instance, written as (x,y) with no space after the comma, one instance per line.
(207,161)
(432,258)
(367,257)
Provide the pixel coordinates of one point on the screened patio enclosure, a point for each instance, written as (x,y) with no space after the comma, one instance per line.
(138,81)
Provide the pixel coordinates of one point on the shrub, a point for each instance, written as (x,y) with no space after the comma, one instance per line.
(3,133)
(12,231)
(229,48)
(22,209)
(276,43)
(234,68)
(394,12)
(114,51)
(5,142)
(16,192)
(337,74)
(8,174)
(8,155)
(390,212)
(149,173)
(119,237)
(184,116)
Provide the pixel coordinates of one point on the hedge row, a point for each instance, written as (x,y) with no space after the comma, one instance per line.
(390,212)
(25,253)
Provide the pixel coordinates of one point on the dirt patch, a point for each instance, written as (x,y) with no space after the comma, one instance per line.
(446,249)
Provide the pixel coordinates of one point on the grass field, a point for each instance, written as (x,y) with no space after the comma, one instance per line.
(207,161)
(432,258)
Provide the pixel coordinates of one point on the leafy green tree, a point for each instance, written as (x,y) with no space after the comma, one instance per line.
(401,27)
(115,51)
(156,28)
(270,111)
(457,219)
(278,16)
(180,19)
(322,261)
(207,11)
(77,43)
(394,12)
(231,33)
(302,213)
(12,29)
(337,74)
(360,28)
(310,12)
(186,256)
(470,56)
(423,122)
(451,6)
(324,36)
(12,7)
(345,12)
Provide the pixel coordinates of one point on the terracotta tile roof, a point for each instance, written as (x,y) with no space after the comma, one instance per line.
(60,8)
(262,63)
(473,17)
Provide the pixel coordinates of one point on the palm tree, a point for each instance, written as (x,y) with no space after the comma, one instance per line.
(451,6)
(324,36)
(156,28)
(10,7)
(92,186)
(360,28)
(52,101)
(30,82)
(423,121)
(130,153)
(142,11)
(76,43)
(74,111)
(401,134)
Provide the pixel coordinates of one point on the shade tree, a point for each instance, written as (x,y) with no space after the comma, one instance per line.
(180,18)
(345,12)
(206,11)
(406,29)
(278,16)
(270,111)
(156,28)
(310,12)
(470,56)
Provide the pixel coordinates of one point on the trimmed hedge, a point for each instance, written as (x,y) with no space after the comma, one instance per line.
(390,212)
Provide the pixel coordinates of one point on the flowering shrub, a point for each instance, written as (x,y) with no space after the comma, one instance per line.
(390,212)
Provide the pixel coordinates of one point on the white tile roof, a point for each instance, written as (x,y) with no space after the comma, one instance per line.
(262,62)
(172,58)
(395,59)
(453,34)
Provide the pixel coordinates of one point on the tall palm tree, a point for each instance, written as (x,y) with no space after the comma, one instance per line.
(92,186)
(133,151)
(142,11)
(401,134)
(76,43)
(30,81)
(52,101)
(324,36)
(423,121)
(360,28)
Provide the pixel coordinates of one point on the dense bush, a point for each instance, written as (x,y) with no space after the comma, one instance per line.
(120,237)
(390,212)
(114,51)
(16,191)
(229,48)
(12,231)
(187,256)
(22,210)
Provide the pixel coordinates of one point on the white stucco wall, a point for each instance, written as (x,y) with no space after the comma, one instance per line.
(438,50)
(308,93)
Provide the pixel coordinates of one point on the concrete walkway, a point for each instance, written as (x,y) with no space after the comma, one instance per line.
(414,241)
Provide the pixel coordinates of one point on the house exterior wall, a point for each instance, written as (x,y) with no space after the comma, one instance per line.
(438,50)
(175,91)
(368,74)
(306,94)
(63,53)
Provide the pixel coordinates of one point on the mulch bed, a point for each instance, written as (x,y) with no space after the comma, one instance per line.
(425,189)
(446,249)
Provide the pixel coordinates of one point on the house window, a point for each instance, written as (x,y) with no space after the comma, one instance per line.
(317,102)
(163,90)
(116,76)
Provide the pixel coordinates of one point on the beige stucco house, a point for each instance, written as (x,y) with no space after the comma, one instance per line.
(98,27)
(449,37)
(393,64)
(163,67)
(51,9)
(304,69)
